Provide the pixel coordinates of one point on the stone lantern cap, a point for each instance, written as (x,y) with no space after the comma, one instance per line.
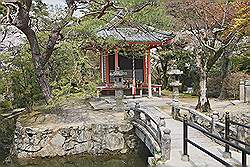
(10,1)
(175,72)
(247,82)
(119,82)
(175,83)
(118,73)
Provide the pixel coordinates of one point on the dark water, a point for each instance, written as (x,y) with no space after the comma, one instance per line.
(132,160)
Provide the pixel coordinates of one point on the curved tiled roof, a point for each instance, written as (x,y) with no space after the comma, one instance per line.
(146,35)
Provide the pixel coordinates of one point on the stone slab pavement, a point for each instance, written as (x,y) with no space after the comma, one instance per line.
(197,157)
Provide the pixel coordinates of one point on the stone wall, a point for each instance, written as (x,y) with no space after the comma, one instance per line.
(93,139)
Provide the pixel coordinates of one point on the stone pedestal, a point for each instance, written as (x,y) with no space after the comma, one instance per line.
(226,155)
(242,91)
(119,86)
(119,105)
(215,118)
(245,91)
(166,145)
(174,75)
(185,158)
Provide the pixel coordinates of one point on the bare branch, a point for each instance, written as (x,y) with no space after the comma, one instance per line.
(104,8)
(4,34)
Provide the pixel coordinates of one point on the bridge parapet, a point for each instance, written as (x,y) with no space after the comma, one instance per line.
(151,128)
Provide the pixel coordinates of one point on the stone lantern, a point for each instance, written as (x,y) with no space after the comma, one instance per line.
(175,74)
(119,87)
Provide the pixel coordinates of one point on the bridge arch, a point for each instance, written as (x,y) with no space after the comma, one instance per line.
(150,127)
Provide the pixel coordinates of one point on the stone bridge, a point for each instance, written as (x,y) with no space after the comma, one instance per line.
(151,128)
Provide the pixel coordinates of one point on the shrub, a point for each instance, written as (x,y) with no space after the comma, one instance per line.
(232,84)
(214,86)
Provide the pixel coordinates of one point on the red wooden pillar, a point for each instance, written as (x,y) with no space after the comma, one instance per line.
(133,76)
(149,75)
(116,58)
(100,66)
(107,65)
(145,68)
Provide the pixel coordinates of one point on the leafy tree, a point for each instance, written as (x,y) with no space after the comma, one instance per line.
(210,35)
(25,12)
(184,61)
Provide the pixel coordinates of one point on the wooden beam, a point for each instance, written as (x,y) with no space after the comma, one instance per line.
(116,58)
(133,77)
(101,65)
(107,65)
(152,44)
(145,68)
(149,75)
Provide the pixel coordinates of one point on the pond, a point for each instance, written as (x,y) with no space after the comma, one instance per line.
(131,160)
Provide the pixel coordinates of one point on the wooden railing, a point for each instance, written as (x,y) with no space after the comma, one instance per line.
(155,127)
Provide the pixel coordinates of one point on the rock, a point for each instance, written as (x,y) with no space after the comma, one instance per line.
(58,140)
(81,136)
(235,102)
(125,127)
(123,151)
(131,143)
(49,151)
(65,132)
(30,132)
(114,141)
(8,161)
(69,146)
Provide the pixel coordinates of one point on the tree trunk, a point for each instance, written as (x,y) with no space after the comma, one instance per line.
(203,102)
(164,78)
(38,62)
(23,23)
(224,74)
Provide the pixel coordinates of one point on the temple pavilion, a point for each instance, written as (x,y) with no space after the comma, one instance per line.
(137,68)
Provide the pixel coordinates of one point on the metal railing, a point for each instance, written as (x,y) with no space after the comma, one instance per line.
(228,137)
(225,141)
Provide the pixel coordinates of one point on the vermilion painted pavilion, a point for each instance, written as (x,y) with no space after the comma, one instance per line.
(138,69)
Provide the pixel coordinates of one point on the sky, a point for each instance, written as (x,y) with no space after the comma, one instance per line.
(54,2)
(60,3)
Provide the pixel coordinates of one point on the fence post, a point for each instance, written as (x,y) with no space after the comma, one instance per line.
(137,111)
(165,143)
(215,118)
(227,153)
(244,159)
(185,156)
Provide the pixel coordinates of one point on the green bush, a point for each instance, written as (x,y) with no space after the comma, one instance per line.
(232,84)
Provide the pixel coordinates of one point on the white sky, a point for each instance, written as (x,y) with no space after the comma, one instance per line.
(60,3)
(54,2)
